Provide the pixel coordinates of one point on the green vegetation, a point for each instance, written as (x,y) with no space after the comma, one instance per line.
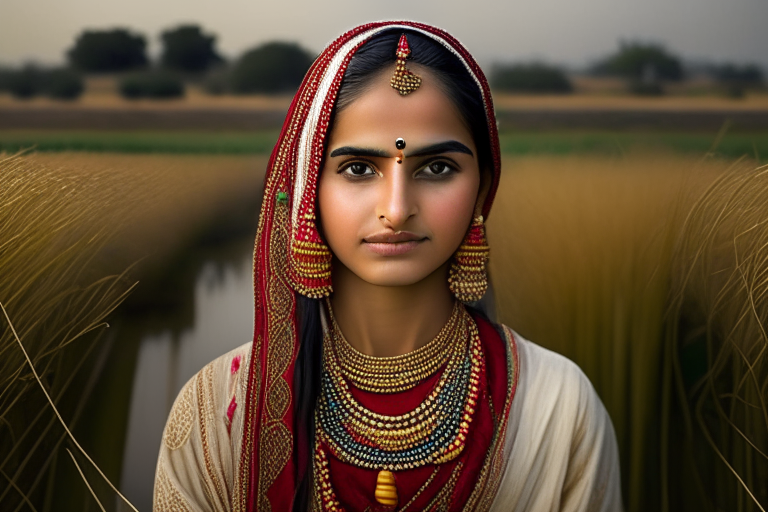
(271,68)
(534,77)
(141,142)
(30,81)
(156,85)
(104,51)
(187,48)
(260,142)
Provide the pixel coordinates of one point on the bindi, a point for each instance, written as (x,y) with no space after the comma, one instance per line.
(400,145)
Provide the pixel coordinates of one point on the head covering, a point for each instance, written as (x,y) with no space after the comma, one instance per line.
(290,257)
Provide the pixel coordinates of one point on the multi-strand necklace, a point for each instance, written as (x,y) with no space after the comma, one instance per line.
(432,433)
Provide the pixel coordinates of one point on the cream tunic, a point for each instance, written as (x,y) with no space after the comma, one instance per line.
(560,449)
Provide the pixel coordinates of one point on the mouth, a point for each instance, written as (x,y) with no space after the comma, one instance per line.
(393,244)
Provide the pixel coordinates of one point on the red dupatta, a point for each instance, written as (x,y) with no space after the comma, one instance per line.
(289,258)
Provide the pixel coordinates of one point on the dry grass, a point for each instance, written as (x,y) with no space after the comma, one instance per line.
(717,343)
(583,257)
(68,226)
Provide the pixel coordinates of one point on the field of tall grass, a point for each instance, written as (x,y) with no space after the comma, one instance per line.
(648,270)
(73,232)
(651,272)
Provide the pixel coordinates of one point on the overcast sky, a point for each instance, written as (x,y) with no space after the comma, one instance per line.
(571,32)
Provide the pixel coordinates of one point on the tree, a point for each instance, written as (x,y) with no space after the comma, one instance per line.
(737,79)
(108,50)
(641,62)
(534,77)
(186,48)
(271,68)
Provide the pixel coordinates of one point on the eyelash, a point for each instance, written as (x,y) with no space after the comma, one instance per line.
(450,169)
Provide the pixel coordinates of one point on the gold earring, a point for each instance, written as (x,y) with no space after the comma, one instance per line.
(468,277)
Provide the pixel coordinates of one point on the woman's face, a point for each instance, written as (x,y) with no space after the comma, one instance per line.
(390,223)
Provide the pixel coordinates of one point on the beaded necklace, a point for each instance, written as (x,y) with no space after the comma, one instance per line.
(432,433)
(400,373)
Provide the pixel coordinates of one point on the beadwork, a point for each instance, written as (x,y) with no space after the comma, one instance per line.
(432,433)
(388,375)
(403,81)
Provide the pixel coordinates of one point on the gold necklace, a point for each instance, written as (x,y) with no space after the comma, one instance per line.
(432,433)
(399,373)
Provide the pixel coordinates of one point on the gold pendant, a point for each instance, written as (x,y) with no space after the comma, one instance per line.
(386,491)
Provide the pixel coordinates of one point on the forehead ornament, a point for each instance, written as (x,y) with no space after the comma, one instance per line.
(403,81)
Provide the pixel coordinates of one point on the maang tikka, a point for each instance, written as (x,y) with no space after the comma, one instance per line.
(403,81)
(468,276)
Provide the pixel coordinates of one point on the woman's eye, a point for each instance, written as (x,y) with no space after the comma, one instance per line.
(358,169)
(438,169)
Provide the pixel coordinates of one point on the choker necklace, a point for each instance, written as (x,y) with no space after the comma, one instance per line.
(432,433)
(399,373)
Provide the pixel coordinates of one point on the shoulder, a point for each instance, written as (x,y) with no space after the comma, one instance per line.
(201,440)
(559,435)
(550,376)
(208,392)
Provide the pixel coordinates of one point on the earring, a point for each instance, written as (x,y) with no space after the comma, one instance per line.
(468,277)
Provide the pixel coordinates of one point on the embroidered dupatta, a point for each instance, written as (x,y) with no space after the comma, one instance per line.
(287,254)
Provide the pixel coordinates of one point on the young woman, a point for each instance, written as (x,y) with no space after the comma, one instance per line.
(371,382)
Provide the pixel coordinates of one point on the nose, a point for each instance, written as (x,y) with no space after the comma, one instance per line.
(396,201)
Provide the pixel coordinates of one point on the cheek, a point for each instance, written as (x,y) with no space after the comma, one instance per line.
(450,212)
(341,210)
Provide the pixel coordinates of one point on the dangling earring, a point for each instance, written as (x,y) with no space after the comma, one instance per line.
(468,277)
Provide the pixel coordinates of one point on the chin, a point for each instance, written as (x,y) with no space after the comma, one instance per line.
(393,274)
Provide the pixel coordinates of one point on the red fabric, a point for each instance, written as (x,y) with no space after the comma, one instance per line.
(354,486)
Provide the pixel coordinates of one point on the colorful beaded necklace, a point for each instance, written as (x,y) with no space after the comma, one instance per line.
(432,433)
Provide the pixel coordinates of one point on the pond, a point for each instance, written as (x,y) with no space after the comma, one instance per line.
(223,320)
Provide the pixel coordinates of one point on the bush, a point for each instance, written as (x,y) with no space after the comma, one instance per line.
(154,85)
(534,78)
(271,68)
(186,48)
(108,50)
(641,62)
(5,79)
(737,79)
(30,81)
(25,83)
(64,84)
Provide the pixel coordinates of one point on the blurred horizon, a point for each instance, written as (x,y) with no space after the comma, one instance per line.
(573,35)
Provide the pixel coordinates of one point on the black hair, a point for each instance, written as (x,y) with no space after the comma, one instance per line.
(373,57)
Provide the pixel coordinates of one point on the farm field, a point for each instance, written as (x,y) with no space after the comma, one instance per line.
(730,144)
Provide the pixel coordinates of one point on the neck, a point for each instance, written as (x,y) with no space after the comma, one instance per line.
(386,321)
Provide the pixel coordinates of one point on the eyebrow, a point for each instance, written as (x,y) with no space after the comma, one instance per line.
(355,151)
(450,146)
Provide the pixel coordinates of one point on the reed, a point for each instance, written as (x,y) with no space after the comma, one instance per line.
(717,345)
(581,264)
(70,226)
(48,240)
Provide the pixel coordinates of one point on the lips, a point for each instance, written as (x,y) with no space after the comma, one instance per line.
(393,238)
(393,244)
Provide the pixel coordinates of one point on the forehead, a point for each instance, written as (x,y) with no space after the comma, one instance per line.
(380,115)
